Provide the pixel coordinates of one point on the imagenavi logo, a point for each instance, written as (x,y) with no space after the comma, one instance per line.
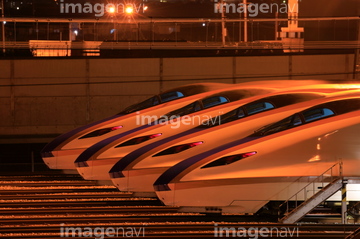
(102,232)
(255,232)
(100,9)
(254,9)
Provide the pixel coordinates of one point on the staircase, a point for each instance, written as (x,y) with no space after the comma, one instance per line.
(334,185)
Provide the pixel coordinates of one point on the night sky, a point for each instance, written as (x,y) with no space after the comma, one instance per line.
(179,9)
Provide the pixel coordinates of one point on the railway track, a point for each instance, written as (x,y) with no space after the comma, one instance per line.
(51,206)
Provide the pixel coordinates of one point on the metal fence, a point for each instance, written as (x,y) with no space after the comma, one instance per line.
(177,33)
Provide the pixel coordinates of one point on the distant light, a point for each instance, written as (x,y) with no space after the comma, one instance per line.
(76,32)
(204,24)
(112,9)
(129,10)
(4,22)
(145,8)
(314,158)
(17,8)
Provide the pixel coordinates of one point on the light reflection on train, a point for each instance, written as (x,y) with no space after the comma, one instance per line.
(138,170)
(244,175)
(96,161)
(63,150)
(215,166)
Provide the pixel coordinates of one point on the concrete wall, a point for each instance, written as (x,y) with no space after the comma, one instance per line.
(40,98)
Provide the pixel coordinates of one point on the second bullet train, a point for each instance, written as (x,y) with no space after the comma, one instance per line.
(271,164)
(96,161)
(63,150)
(138,170)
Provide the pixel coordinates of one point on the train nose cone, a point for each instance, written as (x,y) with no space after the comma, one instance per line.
(61,159)
(49,159)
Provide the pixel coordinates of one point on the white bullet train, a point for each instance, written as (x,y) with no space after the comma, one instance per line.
(96,161)
(63,150)
(138,170)
(270,164)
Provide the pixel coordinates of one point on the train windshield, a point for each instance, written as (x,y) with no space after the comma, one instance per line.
(214,101)
(225,118)
(258,107)
(196,106)
(295,120)
(155,100)
(284,124)
(165,97)
(315,114)
(191,108)
(239,113)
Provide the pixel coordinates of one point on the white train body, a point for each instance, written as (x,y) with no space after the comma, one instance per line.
(245,175)
(146,164)
(63,150)
(95,162)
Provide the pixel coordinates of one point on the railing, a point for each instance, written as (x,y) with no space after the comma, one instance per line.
(177,30)
(312,187)
(63,37)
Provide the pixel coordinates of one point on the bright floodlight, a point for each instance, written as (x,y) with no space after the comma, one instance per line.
(112,9)
(129,10)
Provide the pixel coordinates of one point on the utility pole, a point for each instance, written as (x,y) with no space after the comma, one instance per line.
(356,74)
(276,25)
(223,28)
(3,26)
(245,21)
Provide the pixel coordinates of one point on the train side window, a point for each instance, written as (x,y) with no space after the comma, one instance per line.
(213,101)
(258,107)
(165,97)
(315,114)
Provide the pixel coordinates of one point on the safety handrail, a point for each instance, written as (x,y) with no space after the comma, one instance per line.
(304,190)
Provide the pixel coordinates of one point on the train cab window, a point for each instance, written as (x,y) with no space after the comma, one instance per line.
(155,100)
(315,114)
(165,97)
(188,109)
(240,113)
(213,101)
(282,125)
(296,120)
(143,105)
(258,107)
(225,118)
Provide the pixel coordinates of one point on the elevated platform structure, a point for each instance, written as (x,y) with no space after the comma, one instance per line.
(92,35)
(322,188)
